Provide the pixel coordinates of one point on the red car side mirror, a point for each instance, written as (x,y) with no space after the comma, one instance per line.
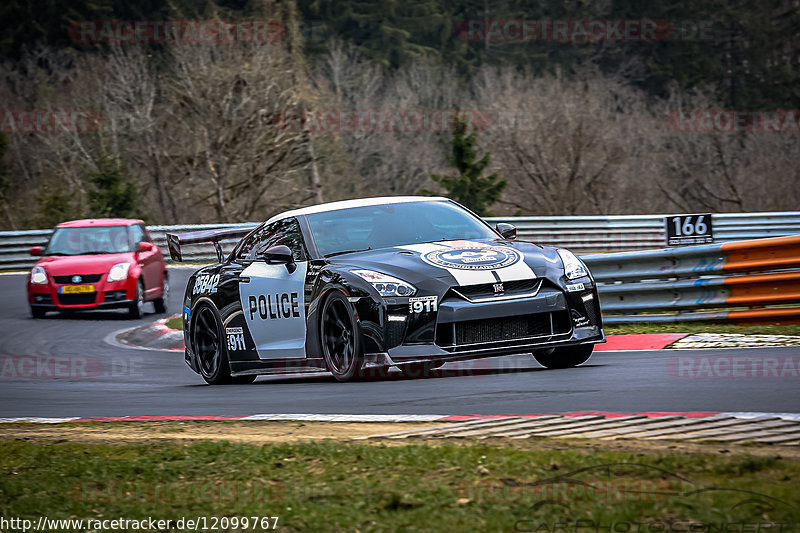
(144,247)
(36,251)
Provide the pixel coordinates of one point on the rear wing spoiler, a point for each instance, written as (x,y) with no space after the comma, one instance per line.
(176,240)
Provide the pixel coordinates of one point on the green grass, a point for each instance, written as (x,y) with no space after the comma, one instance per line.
(175,323)
(329,486)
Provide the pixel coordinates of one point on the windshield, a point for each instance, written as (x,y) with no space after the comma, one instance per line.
(383,226)
(91,240)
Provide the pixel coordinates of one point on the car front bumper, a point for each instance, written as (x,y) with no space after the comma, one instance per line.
(107,295)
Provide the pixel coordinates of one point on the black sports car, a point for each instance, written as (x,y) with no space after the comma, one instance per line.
(357,287)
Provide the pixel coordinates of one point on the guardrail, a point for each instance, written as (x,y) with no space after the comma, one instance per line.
(579,234)
(744,280)
(643,232)
(15,245)
(756,279)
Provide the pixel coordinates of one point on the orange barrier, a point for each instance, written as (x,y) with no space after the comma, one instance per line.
(762,254)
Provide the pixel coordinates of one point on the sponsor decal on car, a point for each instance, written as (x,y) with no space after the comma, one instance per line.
(575,287)
(422,304)
(206,284)
(476,258)
(235,339)
(579,320)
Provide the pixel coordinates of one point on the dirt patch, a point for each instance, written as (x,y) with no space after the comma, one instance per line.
(240,432)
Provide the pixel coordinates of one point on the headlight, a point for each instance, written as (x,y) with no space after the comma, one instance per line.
(573,267)
(38,275)
(386,285)
(119,272)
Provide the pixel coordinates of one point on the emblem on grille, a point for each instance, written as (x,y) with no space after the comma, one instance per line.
(498,288)
(76,279)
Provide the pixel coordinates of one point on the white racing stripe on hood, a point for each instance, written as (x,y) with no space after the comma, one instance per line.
(462,277)
(521,270)
(517,271)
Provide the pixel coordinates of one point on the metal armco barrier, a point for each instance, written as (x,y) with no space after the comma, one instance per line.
(15,245)
(643,232)
(694,283)
(757,279)
(579,234)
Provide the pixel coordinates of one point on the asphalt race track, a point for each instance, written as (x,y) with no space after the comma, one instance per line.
(116,381)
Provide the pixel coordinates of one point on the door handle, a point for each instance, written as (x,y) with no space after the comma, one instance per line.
(244,279)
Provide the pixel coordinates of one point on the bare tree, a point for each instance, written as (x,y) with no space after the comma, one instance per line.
(556,140)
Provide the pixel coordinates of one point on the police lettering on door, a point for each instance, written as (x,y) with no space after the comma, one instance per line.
(274,306)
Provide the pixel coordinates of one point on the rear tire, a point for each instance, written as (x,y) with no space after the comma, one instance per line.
(339,338)
(136,309)
(564,357)
(161,303)
(208,343)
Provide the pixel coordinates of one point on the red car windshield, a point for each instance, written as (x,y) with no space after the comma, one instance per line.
(89,240)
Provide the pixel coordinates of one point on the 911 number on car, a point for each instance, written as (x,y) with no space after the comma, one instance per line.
(421,304)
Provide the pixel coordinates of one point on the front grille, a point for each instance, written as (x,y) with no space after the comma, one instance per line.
(394,333)
(82,298)
(525,287)
(88,278)
(502,329)
(592,312)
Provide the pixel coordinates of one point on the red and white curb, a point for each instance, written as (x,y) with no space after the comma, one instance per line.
(734,340)
(765,428)
(156,336)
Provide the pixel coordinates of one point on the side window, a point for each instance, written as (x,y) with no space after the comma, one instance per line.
(283,232)
(249,242)
(137,235)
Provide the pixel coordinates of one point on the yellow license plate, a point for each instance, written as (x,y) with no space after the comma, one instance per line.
(72,289)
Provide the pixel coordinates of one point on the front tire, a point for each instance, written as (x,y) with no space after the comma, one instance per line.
(209,347)
(564,357)
(37,312)
(339,338)
(136,309)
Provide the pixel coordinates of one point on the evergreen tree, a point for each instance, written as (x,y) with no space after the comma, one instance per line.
(110,195)
(469,188)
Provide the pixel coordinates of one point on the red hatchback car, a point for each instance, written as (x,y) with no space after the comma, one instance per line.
(98,263)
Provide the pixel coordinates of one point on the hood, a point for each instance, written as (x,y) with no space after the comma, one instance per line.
(83,264)
(459,263)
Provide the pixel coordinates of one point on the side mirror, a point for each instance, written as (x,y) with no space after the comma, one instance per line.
(280,255)
(36,251)
(144,247)
(508,231)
